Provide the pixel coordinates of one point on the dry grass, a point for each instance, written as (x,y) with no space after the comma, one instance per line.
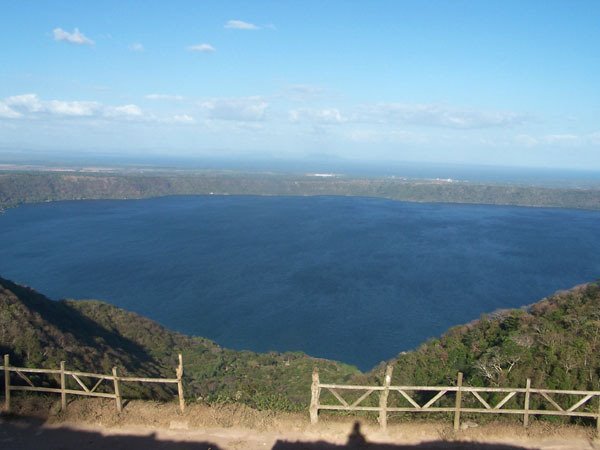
(232,418)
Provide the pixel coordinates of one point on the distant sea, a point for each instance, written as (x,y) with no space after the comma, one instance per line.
(474,173)
(353,279)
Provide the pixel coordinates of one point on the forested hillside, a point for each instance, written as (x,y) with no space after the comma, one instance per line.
(555,342)
(30,187)
(95,336)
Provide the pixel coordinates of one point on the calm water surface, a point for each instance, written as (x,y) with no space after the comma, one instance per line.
(353,279)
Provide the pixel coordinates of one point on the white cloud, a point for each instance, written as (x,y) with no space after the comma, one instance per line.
(164,97)
(27,102)
(425,115)
(323,116)
(562,139)
(241,25)
(30,106)
(6,112)
(123,111)
(181,118)
(384,136)
(76,37)
(31,103)
(202,48)
(559,140)
(436,116)
(245,109)
(136,47)
(594,138)
(73,109)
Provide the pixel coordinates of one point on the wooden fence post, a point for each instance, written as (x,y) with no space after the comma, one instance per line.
(6,383)
(598,419)
(63,394)
(459,382)
(180,384)
(117,390)
(383,397)
(314,398)
(527,394)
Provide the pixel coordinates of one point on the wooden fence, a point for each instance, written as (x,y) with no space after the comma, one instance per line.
(114,383)
(581,399)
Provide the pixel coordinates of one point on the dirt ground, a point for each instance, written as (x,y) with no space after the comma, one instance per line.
(94,424)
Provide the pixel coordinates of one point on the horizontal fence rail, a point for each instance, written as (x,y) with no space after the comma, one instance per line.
(454,402)
(112,382)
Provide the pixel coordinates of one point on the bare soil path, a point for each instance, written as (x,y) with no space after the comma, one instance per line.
(94,425)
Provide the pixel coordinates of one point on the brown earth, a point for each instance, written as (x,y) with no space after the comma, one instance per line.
(36,423)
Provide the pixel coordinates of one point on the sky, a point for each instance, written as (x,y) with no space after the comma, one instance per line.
(511,83)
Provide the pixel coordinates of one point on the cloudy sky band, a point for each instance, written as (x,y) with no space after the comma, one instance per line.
(395,75)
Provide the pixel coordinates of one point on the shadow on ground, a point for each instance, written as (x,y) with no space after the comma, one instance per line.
(31,435)
(356,440)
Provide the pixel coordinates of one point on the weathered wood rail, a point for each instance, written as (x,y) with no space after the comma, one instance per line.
(575,408)
(112,382)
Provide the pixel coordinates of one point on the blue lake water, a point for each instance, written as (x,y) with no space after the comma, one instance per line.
(353,279)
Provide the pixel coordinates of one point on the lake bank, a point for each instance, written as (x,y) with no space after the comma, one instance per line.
(350,279)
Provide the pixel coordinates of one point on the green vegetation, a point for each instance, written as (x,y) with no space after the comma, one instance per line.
(29,187)
(95,336)
(555,343)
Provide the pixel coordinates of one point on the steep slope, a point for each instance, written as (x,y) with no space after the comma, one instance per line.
(95,336)
(38,331)
(555,342)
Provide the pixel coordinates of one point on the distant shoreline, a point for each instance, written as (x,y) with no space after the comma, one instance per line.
(54,184)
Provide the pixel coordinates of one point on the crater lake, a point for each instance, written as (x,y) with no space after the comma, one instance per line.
(352,279)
